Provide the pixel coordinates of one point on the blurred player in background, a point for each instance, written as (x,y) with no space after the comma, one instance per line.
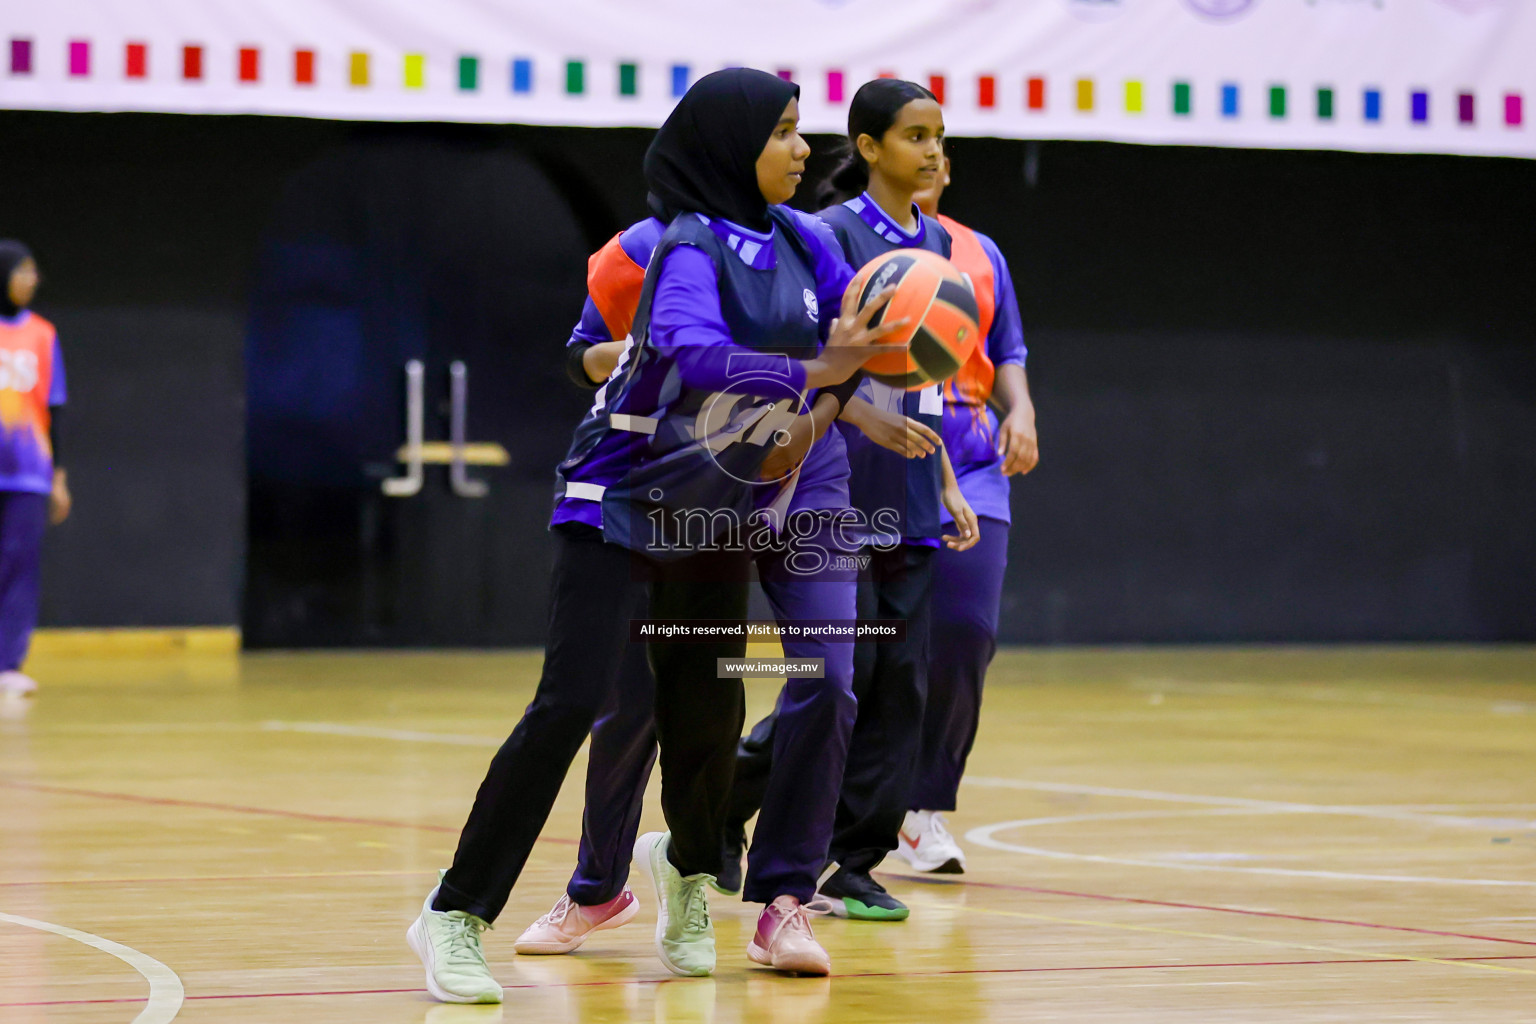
(989,433)
(34,490)
(615,278)
(623,749)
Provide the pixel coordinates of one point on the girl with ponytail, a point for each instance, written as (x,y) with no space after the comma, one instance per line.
(901,481)
(876,108)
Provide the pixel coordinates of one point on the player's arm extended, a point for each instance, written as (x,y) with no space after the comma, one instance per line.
(967,526)
(901,434)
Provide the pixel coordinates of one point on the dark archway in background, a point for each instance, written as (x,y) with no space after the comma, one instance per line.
(406,245)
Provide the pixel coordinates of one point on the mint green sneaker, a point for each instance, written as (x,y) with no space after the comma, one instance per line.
(448,943)
(685,938)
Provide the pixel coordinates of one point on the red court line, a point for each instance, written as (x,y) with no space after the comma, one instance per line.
(252,995)
(161,801)
(890,974)
(277,876)
(1202,906)
(1158,967)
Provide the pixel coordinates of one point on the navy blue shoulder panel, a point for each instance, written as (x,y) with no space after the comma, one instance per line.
(933,230)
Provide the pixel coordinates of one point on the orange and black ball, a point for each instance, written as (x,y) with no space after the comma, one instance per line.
(940,309)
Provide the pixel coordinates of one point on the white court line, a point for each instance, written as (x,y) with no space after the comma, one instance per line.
(165,990)
(1513,805)
(1068,819)
(1336,695)
(984,836)
(370,732)
(1280,806)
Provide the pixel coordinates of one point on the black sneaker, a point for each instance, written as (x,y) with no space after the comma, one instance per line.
(855,895)
(733,842)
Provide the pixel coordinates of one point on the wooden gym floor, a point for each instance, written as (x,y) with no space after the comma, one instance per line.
(1168,835)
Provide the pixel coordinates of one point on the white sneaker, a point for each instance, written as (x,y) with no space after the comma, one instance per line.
(685,937)
(17,683)
(448,943)
(926,844)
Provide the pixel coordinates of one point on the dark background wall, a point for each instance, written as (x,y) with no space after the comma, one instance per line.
(1282,395)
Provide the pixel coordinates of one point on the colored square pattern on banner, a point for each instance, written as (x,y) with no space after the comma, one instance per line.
(467,79)
(1034,93)
(21,56)
(986,92)
(1229,100)
(1138,104)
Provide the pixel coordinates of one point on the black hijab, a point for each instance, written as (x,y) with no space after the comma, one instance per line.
(12,255)
(704,158)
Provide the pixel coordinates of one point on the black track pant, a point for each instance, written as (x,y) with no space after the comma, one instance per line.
(595,590)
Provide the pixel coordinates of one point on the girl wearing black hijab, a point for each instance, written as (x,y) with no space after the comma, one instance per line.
(727,339)
(33,488)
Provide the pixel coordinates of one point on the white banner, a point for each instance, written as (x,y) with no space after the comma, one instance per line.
(1443,76)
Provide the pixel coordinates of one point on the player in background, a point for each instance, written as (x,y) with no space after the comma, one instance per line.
(615,279)
(623,749)
(898,464)
(34,489)
(989,432)
(716,323)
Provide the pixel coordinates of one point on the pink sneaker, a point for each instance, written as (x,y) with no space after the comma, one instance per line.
(568,924)
(783,939)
